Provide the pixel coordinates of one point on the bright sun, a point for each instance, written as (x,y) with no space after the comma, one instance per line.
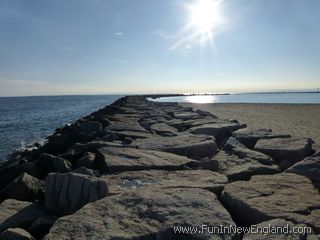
(205,16)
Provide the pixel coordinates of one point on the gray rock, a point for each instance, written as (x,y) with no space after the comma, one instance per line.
(18,214)
(240,163)
(249,137)
(132,134)
(203,113)
(87,171)
(24,188)
(131,159)
(48,163)
(204,179)
(66,193)
(184,144)
(110,137)
(183,125)
(9,174)
(195,122)
(86,160)
(236,168)
(89,127)
(103,120)
(126,124)
(41,226)
(233,146)
(205,163)
(127,140)
(147,122)
(220,130)
(281,230)
(145,214)
(285,151)
(309,167)
(15,234)
(186,115)
(289,196)
(162,128)
(78,149)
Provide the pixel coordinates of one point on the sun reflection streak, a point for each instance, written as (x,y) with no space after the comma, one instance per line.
(201,99)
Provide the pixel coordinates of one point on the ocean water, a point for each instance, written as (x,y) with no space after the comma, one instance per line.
(25,120)
(287,98)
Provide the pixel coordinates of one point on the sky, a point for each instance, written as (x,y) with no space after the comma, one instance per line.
(150,46)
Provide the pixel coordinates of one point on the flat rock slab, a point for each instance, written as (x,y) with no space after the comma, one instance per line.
(186,115)
(216,129)
(133,134)
(249,137)
(145,214)
(163,128)
(126,124)
(286,151)
(203,179)
(132,159)
(18,214)
(236,168)
(66,193)
(185,144)
(309,167)
(282,233)
(183,125)
(233,146)
(289,196)
(16,234)
(240,163)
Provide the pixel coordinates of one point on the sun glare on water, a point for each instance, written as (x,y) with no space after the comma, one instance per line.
(201,99)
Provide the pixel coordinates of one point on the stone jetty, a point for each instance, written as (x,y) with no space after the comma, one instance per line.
(139,169)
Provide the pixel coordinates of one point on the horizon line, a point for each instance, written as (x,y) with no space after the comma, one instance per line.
(314,90)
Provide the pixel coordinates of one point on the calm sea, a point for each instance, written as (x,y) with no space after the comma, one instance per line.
(288,98)
(25,120)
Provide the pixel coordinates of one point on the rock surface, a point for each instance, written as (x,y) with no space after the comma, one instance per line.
(309,167)
(217,129)
(240,163)
(131,159)
(163,128)
(203,179)
(66,193)
(41,226)
(18,214)
(190,145)
(15,234)
(48,163)
(145,215)
(125,124)
(24,188)
(286,151)
(249,137)
(289,196)
(86,160)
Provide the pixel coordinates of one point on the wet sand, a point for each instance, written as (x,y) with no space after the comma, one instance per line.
(301,120)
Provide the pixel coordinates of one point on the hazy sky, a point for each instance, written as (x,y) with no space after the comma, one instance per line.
(158,46)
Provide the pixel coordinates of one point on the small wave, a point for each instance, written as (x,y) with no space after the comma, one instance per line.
(29,146)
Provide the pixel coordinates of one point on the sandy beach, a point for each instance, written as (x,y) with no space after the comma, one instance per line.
(301,120)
